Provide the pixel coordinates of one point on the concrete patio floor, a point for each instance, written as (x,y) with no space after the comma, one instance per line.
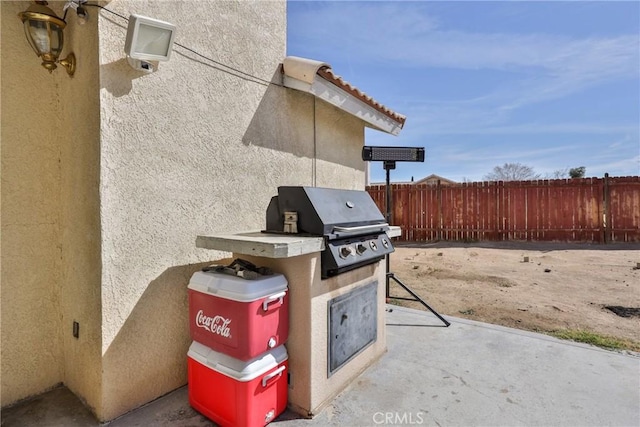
(468,374)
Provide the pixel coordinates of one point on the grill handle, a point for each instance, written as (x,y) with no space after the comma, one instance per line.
(362,228)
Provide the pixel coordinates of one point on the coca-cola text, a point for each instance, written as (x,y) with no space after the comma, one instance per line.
(216,325)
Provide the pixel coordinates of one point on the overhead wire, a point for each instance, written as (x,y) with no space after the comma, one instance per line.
(230,70)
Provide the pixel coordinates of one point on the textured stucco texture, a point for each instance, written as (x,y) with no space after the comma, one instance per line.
(50,223)
(109,176)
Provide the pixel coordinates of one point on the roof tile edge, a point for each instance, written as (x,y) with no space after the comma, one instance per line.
(302,69)
(328,74)
(305,70)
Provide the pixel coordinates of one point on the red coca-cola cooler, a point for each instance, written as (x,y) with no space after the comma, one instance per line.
(236,316)
(238,393)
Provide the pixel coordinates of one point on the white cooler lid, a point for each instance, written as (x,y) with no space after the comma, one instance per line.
(236,288)
(236,368)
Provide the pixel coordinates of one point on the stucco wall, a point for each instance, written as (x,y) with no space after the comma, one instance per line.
(31,262)
(107,179)
(339,140)
(50,233)
(79,217)
(189,149)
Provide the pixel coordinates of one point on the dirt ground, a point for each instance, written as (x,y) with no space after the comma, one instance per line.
(559,286)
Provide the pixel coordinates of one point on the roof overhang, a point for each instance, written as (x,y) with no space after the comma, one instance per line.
(318,79)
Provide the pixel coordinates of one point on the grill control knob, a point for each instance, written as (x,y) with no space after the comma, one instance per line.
(385,242)
(360,248)
(346,251)
(373,244)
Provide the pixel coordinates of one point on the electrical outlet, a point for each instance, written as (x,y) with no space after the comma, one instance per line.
(76,329)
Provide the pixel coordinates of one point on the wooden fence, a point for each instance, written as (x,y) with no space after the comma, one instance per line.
(585,210)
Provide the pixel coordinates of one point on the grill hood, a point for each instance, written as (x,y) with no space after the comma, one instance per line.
(325,211)
(351,224)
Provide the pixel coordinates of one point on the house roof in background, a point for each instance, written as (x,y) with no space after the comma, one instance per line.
(433,178)
(319,79)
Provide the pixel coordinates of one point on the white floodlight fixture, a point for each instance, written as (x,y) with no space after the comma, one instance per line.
(148,39)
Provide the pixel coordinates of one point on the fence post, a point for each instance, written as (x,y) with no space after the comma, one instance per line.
(606,209)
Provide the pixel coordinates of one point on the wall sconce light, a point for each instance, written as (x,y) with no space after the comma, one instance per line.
(44,31)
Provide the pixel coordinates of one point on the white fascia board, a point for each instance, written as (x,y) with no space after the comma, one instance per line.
(332,94)
(296,84)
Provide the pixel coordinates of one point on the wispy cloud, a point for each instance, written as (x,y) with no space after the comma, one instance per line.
(408,32)
(475,125)
(622,167)
(533,79)
(620,155)
(408,35)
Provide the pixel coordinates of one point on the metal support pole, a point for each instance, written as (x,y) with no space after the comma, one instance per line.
(388,165)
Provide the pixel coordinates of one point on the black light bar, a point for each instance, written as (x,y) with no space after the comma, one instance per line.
(392,154)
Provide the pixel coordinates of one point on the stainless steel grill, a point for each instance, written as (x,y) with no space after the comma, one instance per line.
(350,222)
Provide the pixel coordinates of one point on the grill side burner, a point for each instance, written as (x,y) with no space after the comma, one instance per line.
(350,222)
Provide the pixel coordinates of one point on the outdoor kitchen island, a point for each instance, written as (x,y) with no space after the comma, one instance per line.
(349,306)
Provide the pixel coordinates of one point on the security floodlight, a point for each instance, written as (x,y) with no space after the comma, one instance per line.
(394,154)
(148,39)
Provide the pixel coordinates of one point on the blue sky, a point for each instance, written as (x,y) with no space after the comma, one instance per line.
(551,85)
